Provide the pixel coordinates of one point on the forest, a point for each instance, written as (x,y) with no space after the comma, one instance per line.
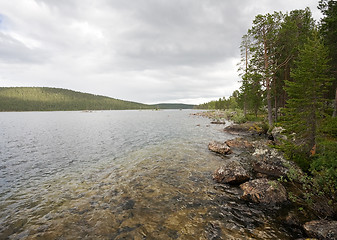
(57,99)
(288,73)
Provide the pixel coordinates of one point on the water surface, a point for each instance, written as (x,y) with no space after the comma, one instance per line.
(119,175)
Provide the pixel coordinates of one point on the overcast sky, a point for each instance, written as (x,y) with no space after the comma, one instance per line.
(147,51)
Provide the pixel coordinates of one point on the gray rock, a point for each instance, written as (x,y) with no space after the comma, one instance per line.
(264,191)
(247,128)
(231,172)
(321,229)
(218,147)
(277,134)
(271,163)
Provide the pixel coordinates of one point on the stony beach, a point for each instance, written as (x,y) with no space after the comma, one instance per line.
(251,163)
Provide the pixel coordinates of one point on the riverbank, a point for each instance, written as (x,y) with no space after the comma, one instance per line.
(252,164)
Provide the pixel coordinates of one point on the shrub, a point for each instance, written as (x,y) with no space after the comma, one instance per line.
(324,167)
(316,188)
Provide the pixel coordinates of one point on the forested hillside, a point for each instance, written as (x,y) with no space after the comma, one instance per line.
(57,99)
(173,106)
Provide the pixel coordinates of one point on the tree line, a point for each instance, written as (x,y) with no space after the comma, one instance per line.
(288,69)
(222,103)
(289,62)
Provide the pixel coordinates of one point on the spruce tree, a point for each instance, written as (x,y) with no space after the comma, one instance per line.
(328,29)
(304,108)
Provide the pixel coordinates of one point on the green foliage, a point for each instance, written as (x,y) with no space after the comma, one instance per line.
(295,29)
(268,52)
(328,30)
(172,106)
(316,187)
(329,127)
(329,26)
(222,103)
(304,110)
(56,99)
(294,152)
(315,191)
(251,93)
(285,64)
(254,118)
(238,116)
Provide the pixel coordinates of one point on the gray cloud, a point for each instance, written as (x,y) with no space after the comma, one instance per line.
(14,51)
(147,50)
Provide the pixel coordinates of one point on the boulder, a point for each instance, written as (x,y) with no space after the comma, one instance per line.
(247,128)
(277,134)
(321,229)
(237,129)
(231,172)
(264,191)
(239,143)
(271,163)
(218,147)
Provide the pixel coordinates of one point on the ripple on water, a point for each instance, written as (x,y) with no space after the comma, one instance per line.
(161,189)
(166,194)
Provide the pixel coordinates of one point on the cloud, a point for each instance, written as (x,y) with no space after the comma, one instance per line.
(147,50)
(15,48)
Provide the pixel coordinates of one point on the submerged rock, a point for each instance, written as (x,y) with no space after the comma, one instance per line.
(321,229)
(219,147)
(231,172)
(264,191)
(128,204)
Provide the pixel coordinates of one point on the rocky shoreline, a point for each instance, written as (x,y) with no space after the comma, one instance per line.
(252,165)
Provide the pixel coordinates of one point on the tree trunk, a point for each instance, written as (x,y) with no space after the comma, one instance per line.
(266,67)
(312,135)
(276,107)
(335,108)
(275,100)
(245,96)
(270,110)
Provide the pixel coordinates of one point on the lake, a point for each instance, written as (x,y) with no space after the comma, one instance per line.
(119,175)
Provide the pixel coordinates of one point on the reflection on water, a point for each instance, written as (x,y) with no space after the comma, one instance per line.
(119,175)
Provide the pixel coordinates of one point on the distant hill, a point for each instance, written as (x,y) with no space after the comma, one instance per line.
(173,106)
(57,99)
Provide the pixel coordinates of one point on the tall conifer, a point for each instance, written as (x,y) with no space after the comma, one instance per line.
(304,109)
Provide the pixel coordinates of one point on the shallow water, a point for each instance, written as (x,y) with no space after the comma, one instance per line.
(119,175)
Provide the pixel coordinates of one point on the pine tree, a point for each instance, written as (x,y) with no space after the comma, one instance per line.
(264,31)
(304,108)
(294,32)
